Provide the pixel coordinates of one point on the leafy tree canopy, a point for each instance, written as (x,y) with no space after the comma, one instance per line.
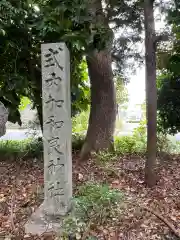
(21,33)
(168,82)
(24,25)
(121,91)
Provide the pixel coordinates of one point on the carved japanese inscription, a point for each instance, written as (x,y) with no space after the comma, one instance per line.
(56,127)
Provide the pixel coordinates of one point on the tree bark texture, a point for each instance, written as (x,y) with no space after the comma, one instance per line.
(103,101)
(151,91)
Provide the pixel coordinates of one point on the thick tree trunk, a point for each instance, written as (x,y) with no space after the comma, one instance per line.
(103,105)
(103,102)
(151,91)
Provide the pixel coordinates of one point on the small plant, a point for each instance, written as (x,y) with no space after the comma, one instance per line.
(165,143)
(141,131)
(80,122)
(126,145)
(95,205)
(106,156)
(34,147)
(77,142)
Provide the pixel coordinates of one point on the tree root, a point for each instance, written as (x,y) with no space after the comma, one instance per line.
(169,224)
(85,152)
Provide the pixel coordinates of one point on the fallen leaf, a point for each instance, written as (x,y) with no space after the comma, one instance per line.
(78,236)
(80,176)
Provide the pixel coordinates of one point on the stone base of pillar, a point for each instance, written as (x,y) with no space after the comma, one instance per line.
(40,222)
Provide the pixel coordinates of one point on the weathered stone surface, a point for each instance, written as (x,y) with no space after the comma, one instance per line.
(40,222)
(56,137)
(3,119)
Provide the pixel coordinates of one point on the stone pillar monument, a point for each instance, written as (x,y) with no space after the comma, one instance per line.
(56,139)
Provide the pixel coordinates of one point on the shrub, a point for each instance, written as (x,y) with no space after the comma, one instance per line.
(124,144)
(77,141)
(165,142)
(30,148)
(95,205)
(129,145)
(96,201)
(80,122)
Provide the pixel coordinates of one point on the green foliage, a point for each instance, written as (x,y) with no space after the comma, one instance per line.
(79,128)
(169,81)
(24,28)
(93,198)
(128,145)
(121,91)
(77,141)
(31,148)
(94,205)
(172,145)
(24,102)
(80,122)
(168,105)
(15,51)
(140,132)
(135,143)
(165,143)
(80,92)
(106,156)
(24,25)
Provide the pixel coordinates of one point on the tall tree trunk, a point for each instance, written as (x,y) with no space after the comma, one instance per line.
(103,105)
(151,91)
(103,102)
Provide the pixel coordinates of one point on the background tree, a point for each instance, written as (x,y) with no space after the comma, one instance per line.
(169,78)
(151,91)
(89,29)
(84,26)
(152,39)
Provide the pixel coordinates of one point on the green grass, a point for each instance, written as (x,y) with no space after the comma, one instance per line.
(30,148)
(133,144)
